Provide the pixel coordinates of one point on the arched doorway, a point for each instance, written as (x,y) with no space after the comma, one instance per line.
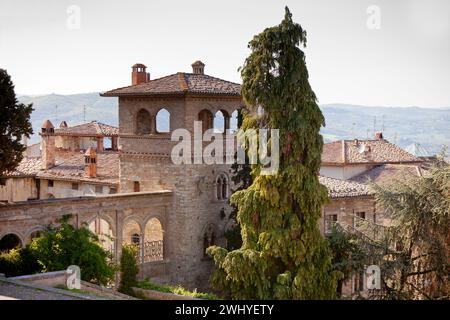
(154,241)
(10,241)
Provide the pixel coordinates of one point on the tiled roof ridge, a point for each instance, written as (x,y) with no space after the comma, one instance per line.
(215,78)
(182,81)
(141,84)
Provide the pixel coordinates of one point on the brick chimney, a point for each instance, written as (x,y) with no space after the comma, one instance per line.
(138,74)
(379,135)
(90,163)
(47,145)
(198,67)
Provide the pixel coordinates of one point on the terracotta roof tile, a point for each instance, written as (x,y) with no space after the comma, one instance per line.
(387,173)
(180,83)
(93,128)
(344,188)
(70,166)
(365,151)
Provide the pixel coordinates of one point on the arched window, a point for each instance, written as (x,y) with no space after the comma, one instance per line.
(222,187)
(206,117)
(154,241)
(135,239)
(143,122)
(10,241)
(234,121)
(220,121)
(163,121)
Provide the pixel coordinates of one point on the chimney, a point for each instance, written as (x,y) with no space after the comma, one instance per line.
(139,75)
(90,163)
(198,67)
(379,135)
(47,145)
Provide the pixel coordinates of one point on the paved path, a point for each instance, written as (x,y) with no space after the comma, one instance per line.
(11,291)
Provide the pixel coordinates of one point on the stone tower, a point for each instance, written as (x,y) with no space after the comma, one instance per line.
(199,211)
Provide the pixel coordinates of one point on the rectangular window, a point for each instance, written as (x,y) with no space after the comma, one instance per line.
(50,183)
(359,219)
(112,190)
(74,186)
(98,189)
(330,221)
(137,186)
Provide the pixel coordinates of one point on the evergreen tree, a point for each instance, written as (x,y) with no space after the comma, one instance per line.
(283,255)
(14,123)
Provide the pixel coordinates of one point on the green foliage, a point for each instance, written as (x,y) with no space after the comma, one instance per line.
(283,255)
(177,290)
(64,245)
(414,252)
(349,256)
(19,261)
(128,269)
(14,123)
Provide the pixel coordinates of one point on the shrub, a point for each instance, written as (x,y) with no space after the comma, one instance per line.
(65,245)
(17,262)
(128,269)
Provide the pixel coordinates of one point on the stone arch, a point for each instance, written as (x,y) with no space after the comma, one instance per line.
(131,226)
(104,230)
(132,234)
(209,236)
(35,232)
(222,187)
(206,117)
(163,121)
(143,122)
(10,241)
(221,121)
(153,240)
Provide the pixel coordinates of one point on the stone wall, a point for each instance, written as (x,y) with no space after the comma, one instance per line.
(18,189)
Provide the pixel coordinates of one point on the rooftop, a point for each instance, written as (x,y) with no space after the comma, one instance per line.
(387,173)
(179,84)
(93,128)
(70,166)
(344,188)
(365,151)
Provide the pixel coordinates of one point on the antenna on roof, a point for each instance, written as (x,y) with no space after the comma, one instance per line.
(84,113)
(353,130)
(56,113)
(368,133)
(382,122)
(374,124)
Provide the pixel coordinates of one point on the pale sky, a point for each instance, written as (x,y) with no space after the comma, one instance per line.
(403,63)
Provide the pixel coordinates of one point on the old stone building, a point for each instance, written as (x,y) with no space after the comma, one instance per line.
(129,190)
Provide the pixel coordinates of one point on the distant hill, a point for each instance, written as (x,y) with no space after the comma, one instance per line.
(428,126)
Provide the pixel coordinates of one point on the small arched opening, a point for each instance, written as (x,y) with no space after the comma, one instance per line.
(143,122)
(131,234)
(234,121)
(209,237)
(163,121)
(221,121)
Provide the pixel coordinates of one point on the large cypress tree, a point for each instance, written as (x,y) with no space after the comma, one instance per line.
(283,255)
(14,123)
